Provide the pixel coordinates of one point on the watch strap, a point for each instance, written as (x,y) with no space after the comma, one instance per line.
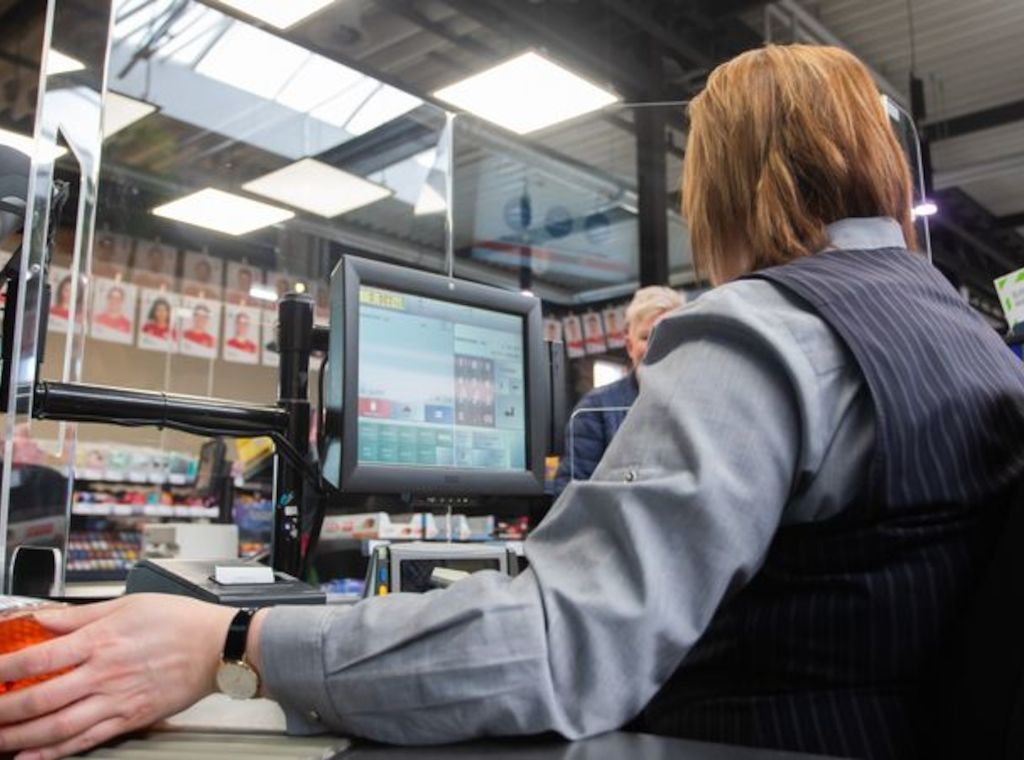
(238,634)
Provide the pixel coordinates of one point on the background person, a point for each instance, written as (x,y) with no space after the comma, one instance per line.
(588,433)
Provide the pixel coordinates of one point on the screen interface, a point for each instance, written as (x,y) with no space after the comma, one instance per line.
(440,384)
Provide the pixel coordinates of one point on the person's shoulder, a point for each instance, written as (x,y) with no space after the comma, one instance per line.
(618,393)
(748,312)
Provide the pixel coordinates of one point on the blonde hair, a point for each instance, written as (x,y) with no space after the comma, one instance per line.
(655,299)
(783,141)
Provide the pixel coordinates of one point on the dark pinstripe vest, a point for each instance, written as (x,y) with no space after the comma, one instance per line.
(831,646)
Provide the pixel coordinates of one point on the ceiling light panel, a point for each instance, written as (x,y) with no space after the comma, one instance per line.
(386,104)
(315,187)
(278,13)
(223,212)
(253,60)
(59,63)
(26,145)
(120,111)
(316,82)
(526,93)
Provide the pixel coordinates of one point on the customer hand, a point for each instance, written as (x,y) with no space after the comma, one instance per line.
(134,661)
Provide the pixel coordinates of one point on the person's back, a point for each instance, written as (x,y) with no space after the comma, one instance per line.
(831,646)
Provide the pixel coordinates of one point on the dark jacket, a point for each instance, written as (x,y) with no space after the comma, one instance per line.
(589,433)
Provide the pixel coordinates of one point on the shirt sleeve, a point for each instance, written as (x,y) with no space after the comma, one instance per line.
(626,571)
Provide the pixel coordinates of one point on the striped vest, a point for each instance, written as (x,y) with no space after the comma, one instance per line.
(831,646)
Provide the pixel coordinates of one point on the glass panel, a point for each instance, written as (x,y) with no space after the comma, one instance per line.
(906,133)
(297,158)
(38,457)
(555,211)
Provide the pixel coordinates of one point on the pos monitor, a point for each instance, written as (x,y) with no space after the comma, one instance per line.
(434,386)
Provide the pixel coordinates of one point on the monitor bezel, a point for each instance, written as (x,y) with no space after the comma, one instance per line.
(355,477)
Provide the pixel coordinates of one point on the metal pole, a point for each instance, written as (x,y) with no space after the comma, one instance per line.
(295,343)
(652,198)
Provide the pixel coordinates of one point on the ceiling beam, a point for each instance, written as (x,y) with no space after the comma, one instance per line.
(628,10)
(1011,220)
(978,171)
(986,118)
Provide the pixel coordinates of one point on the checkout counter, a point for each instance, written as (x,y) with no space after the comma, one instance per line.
(612,746)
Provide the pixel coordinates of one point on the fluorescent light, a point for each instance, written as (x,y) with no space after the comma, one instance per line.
(263,293)
(119,111)
(59,63)
(223,212)
(27,145)
(253,60)
(318,188)
(278,13)
(526,94)
(924,208)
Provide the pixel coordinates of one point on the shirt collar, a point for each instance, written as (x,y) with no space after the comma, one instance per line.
(866,233)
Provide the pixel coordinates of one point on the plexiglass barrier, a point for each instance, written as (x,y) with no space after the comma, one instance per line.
(556,211)
(240,162)
(585,424)
(37,462)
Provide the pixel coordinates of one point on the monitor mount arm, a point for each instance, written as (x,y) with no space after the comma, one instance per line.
(286,423)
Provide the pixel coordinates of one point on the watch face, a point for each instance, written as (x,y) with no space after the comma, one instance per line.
(237,680)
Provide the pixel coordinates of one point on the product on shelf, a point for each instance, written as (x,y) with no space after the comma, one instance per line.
(109,550)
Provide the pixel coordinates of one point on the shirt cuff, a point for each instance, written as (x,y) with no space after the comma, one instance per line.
(291,659)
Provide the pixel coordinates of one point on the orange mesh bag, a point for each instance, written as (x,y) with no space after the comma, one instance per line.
(19,629)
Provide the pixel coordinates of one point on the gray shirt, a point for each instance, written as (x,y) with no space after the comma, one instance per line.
(751,414)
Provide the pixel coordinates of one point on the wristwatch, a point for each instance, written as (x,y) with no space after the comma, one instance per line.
(235,676)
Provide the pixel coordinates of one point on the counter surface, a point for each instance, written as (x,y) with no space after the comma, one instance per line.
(164,745)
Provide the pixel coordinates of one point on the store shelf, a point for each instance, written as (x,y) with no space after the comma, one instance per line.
(132,478)
(91,509)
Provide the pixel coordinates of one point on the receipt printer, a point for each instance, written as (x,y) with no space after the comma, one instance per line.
(424,565)
(231,582)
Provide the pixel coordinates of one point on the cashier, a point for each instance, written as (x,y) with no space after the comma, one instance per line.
(771,552)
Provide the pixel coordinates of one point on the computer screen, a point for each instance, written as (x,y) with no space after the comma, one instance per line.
(434,385)
(441,384)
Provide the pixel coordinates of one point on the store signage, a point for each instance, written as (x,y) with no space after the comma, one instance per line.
(1010,289)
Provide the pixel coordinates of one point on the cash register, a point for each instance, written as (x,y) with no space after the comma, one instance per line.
(435,387)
